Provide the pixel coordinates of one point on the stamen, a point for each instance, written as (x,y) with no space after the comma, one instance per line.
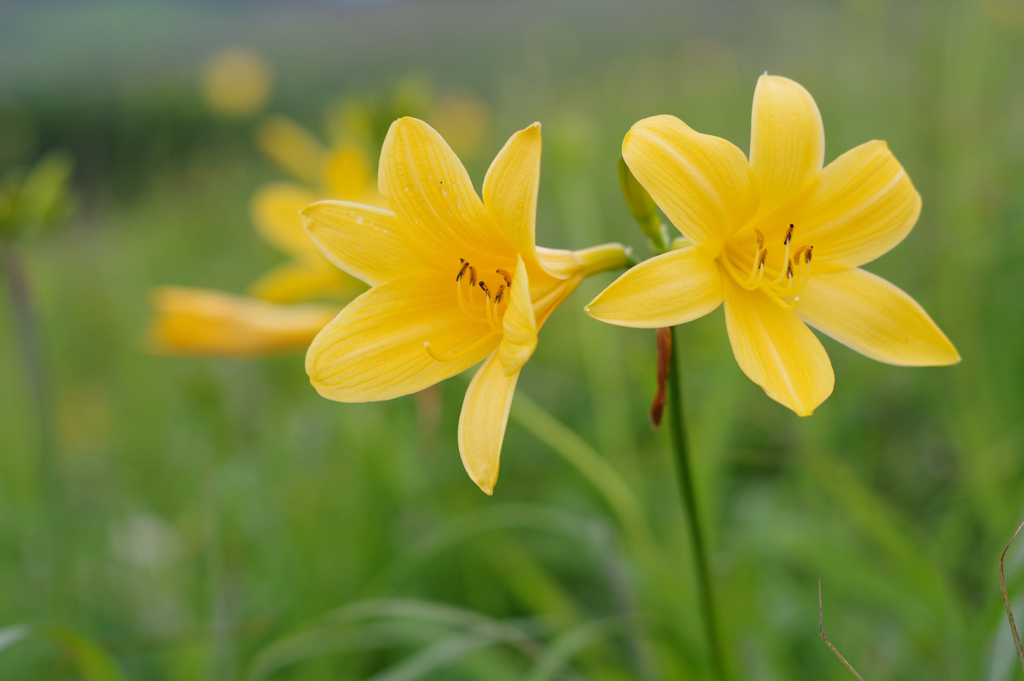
(505,275)
(457,355)
(464,306)
(498,295)
(465,266)
(757,262)
(785,258)
(485,290)
(760,269)
(472,276)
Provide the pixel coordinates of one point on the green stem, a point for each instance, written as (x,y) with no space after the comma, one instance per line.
(686,490)
(49,543)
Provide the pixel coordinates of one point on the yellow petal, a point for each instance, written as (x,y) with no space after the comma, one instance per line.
(510,189)
(776,350)
(875,318)
(374,349)
(366,242)
(483,420)
(862,206)
(787,140)
(301,280)
(672,288)
(520,324)
(292,147)
(275,213)
(426,186)
(202,322)
(702,183)
(346,173)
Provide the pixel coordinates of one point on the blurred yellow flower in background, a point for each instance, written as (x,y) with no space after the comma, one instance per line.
(463,121)
(237,82)
(754,226)
(340,172)
(191,321)
(455,281)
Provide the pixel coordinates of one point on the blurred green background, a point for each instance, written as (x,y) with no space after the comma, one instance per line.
(203,519)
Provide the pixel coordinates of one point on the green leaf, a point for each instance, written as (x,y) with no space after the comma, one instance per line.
(92,661)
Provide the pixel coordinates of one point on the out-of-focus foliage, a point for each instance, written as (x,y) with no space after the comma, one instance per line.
(218,519)
(35,198)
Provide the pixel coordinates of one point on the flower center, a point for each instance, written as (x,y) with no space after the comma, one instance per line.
(791,275)
(481,302)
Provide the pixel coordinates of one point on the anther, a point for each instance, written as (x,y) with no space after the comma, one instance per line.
(465,266)
(499,294)
(505,275)
(807,258)
(485,289)
(472,276)
(789,235)
(760,263)
(760,239)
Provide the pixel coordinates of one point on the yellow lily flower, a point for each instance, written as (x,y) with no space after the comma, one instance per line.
(203,322)
(191,321)
(754,226)
(341,172)
(455,280)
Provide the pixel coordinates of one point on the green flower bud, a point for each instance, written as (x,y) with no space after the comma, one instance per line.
(641,205)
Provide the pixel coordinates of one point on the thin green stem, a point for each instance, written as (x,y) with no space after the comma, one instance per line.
(49,544)
(686,490)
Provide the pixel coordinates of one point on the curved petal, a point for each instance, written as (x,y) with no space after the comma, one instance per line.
(776,350)
(302,280)
(519,324)
(862,205)
(275,212)
(192,321)
(292,147)
(374,349)
(483,420)
(366,242)
(875,318)
(703,184)
(672,288)
(787,139)
(346,173)
(430,191)
(510,190)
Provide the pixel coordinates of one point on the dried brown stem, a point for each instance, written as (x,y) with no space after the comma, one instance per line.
(1006,600)
(664,337)
(821,628)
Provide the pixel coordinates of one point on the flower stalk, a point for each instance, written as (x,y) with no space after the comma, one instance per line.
(48,480)
(644,211)
(684,476)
